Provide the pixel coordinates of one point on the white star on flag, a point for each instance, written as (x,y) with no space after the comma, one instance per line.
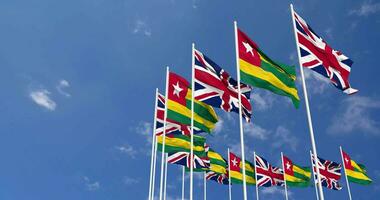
(346,160)
(177,89)
(234,162)
(248,48)
(288,165)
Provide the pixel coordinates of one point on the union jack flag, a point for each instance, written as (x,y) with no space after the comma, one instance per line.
(184,158)
(268,175)
(219,178)
(329,172)
(317,55)
(172,127)
(214,86)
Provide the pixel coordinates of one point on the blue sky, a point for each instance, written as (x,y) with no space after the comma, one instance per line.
(78,80)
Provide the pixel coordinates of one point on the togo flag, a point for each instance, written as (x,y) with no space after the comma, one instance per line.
(295,175)
(355,173)
(258,70)
(179,105)
(236,170)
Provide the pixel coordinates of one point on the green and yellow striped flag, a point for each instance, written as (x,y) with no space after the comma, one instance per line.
(182,143)
(258,70)
(179,105)
(217,162)
(355,173)
(296,176)
(236,171)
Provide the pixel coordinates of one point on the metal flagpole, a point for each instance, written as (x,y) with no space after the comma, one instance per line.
(192,122)
(257,186)
(183,183)
(164,134)
(204,186)
(240,112)
(314,148)
(314,181)
(229,176)
(283,167)
(154,167)
(151,187)
(166,174)
(345,173)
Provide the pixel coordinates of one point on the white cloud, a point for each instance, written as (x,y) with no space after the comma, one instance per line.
(140,27)
(127,149)
(130,180)
(315,82)
(261,101)
(355,114)
(283,137)
(366,8)
(255,131)
(91,186)
(41,97)
(271,191)
(218,126)
(61,86)
(145,129)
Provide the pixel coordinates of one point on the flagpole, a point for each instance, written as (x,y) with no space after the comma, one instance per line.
(151,187)
(192,122)
(240,112)
(164,135)
(204,186)
(257,187)
(314,183)
(183,183)
(283,167)
(345,173)
(314,148)
(229,176)
(166,174)
(154,165)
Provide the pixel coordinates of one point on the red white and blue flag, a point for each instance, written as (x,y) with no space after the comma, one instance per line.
(268,175)
(317,55)
(183,158)
(214,86)
(330,173)
(219,178)
(172,127)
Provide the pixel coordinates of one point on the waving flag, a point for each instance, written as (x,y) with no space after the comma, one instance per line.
(266,174)
(258,70)
(236,171)
(181,143)
(355,173)
(295,175)
(217,163)
(201,161)
(219,178)
(317,55)
(329,172)
(172,127)
(179,105)
(215,87)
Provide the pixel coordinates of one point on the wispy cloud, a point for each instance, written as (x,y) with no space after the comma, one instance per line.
(91,186)
(355,114)
(316,83)
(262,100)
(61,86)
(283,137)
(144,129)
(366,8)
(130,181)
(255,131)
(127,149)
(275,191)
(141,27)
(41,97)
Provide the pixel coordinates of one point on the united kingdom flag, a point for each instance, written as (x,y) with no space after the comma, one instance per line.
(317,55)
(172,127)
(214,86)
(184,158)
(220,178)
(268,175)
(329,172)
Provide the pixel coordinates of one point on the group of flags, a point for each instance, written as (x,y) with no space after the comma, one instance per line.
(180,116)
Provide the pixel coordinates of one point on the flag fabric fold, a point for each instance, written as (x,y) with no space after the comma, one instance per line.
(318,56)
(215,87)
(296,176)
(236,170)
(179,105)
(268,175)
(330,173)
(258,70)
(355,172)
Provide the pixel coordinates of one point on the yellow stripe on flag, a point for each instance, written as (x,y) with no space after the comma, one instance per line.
(357,175)
(293,178)
(266,76)
(175,142)
(298,170)
(239,176)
